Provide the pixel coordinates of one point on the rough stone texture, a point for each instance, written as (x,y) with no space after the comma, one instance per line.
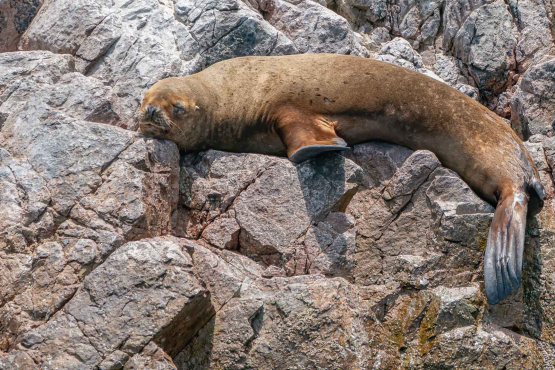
(312,27)
(144,291)
(481,43)
(372,259)
(129,46)
(151,357)
(76,189)
(276,212)
(282,323)
(535,21)
(15,17)
(533,104)
(486,43)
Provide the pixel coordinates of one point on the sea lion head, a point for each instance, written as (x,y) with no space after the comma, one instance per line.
(166,109)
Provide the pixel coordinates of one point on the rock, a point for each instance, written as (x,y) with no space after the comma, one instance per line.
(357,11)
(532,108)
(224,282)
(446,68)
(83,98)
(312,28)
(468,90)
(144,291)
(392,222)
(454,16)
(473,348)
(210,182)
(60,27)
(90,186)
(408,178)
(123,47)
(15,17)
(17,360)
(457,209)
(22,74)
(486,42)
(151,357)
(280,322)
(549,147)
(280,206)
(400,52)
(534,21)
(223,233)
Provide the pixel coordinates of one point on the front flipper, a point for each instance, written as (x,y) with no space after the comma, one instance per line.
(505,247)
(306,135)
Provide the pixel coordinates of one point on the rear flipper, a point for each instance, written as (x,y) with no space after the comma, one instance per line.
(505,247)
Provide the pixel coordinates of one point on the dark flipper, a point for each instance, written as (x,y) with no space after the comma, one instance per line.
(306,134)
(505,247)
(309,151)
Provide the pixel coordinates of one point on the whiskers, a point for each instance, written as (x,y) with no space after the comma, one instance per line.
(159,120)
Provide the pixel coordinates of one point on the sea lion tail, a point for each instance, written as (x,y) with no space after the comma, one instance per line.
(505,247)
(537,197)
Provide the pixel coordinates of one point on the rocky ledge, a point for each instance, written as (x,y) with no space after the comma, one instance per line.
(118,251)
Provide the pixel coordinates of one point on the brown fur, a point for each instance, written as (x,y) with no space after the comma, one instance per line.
(273,105)
(277,105)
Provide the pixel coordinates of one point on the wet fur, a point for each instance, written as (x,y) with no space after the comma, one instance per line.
(302,105)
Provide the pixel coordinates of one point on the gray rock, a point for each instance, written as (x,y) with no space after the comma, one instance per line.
(408,178)
(532,107)
(549,147)
(454,15)
(398,219)
(223,233)
(534,21)
(151,357)
(468,90)
(144,291)
(279,323)
(61,26)
(17,360)
(281,205)
(313,28)
(457,210)
(486,42)
(400,52)
(91,186)
(15,17)
(209,183)
(22,74)
(223,281)
(474,348)
(447,69)
(104,35)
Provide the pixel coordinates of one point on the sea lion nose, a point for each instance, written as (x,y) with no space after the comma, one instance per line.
(150,109)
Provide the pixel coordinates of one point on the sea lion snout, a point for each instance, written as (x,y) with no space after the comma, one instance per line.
(153,121)
(151,110)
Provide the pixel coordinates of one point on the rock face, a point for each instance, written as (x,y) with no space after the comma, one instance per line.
(118,252)
(15,17)
(532,104)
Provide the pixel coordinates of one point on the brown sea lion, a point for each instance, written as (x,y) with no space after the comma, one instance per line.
(303,105)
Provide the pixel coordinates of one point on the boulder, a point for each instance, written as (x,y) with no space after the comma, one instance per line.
(532,108)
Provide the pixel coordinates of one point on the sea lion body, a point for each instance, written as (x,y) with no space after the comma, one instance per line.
(302,105)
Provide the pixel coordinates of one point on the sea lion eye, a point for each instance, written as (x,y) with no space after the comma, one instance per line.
(178,111)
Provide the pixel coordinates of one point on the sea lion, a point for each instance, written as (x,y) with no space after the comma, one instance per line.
(303,105)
